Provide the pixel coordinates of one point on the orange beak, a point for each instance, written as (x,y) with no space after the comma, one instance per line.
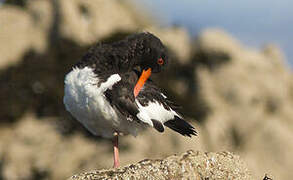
(142,79)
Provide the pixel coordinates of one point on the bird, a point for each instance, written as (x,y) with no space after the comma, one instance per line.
(110,92)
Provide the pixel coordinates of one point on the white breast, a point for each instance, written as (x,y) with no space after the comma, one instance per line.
(87,103)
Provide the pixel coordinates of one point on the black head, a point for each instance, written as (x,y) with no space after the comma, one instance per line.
(152,53)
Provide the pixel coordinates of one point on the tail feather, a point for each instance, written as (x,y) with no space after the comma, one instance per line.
(179,125)
(158,125)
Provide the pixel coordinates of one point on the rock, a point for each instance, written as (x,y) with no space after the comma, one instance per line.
(235,92)
(17,35)
(275,55)
(43,13)
(189,165)
(264,148)
(250,101)
(217,40)
(87,21)
(34,150)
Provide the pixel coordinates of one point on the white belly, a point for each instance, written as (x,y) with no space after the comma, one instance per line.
(87,103)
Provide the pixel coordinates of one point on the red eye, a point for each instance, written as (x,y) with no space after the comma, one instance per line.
(160,61)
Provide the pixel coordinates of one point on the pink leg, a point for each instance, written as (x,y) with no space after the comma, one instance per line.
(116,151)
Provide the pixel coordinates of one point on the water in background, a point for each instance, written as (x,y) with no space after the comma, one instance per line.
(255,23)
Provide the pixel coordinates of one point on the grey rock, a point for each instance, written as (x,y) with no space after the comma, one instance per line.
(189,165)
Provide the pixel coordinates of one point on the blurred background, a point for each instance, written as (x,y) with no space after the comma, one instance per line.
(229,71)
(253,22)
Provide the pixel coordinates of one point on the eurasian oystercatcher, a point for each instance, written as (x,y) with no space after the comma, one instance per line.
(110,93)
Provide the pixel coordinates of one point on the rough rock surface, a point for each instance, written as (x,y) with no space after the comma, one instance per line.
(189,165)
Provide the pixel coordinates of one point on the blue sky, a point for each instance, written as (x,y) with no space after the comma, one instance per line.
(253,22)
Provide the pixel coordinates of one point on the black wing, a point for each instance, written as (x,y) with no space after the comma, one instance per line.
(179,125)
(152,93)
(121,96)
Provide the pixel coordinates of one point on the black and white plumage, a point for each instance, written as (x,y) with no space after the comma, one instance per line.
(100,91)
